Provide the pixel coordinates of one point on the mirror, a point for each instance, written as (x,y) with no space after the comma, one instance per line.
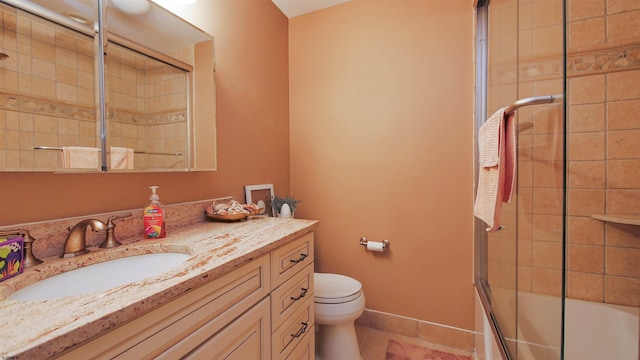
(146,105)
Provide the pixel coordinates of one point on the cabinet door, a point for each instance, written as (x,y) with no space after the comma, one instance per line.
(247,337)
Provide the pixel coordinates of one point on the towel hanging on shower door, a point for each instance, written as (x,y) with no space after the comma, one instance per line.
(497,167)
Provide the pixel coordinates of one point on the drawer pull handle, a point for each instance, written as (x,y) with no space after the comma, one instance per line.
(301,331)
(302,294)
(302,257)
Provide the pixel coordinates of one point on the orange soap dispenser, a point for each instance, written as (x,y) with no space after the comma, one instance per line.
(154,216)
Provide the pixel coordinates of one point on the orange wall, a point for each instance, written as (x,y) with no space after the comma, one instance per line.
(381,142)
(382,146)
(253,129)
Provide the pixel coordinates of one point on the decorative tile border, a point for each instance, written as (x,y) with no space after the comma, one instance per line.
(541,69)
(581,64)
(528,71)
(167,118)
(40,106)
(602,61)
(125,117)
(129,117)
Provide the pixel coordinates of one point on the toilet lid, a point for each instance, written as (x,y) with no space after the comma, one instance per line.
(335,288)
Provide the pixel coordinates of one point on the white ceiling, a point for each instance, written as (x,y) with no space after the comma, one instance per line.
(293,8)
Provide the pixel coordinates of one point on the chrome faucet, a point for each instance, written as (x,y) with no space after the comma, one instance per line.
(76,243)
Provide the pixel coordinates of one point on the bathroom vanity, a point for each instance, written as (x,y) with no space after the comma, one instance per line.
(246,292)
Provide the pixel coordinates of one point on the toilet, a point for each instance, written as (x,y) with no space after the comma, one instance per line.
(338,302)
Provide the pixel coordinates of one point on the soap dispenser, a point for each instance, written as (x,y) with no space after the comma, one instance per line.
(155,217)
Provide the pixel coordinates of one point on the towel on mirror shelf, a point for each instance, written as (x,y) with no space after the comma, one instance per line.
(121,158)
(497,168)
(78,157)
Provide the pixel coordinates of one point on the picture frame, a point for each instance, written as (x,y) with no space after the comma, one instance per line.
(260,193)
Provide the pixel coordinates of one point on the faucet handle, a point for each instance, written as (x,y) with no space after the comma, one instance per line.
(110,241)
(29,259)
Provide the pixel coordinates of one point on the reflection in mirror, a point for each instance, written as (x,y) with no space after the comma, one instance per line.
(47,99)
(146,111)
(159,89)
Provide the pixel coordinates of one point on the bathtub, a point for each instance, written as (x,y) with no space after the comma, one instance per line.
(600,331)
(593,331)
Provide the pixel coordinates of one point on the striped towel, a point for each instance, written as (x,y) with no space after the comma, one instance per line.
(497,172)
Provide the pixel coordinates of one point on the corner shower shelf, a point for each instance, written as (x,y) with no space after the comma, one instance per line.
(620,219)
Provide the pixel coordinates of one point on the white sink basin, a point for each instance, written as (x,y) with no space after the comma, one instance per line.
(101,276)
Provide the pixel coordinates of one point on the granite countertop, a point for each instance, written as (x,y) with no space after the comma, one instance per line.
(41,329)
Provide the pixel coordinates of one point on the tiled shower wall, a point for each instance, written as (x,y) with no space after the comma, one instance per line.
(47,97)
(603,72)
(46,91)
(540,148)
(167,123)
(603,150)
(146,105)
(526,60)
(502,83)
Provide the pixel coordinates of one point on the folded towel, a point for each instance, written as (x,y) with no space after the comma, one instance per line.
(76,157)
(121,158)
(497,168)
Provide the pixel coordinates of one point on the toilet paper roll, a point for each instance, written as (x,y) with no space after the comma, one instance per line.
(375,246)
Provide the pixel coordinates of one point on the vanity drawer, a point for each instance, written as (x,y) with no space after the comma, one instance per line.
(290,296)
(291,258)
(292,331)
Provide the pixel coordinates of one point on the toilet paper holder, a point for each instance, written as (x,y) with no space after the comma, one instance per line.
(385,243)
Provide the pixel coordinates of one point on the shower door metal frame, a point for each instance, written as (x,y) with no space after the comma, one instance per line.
(480,235)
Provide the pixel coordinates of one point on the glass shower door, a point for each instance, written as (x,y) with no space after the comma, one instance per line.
(502,90)
(523,263)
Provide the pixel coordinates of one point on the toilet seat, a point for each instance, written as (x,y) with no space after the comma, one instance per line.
(335,288)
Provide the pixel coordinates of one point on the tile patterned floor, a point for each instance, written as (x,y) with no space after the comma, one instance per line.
(380,345)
